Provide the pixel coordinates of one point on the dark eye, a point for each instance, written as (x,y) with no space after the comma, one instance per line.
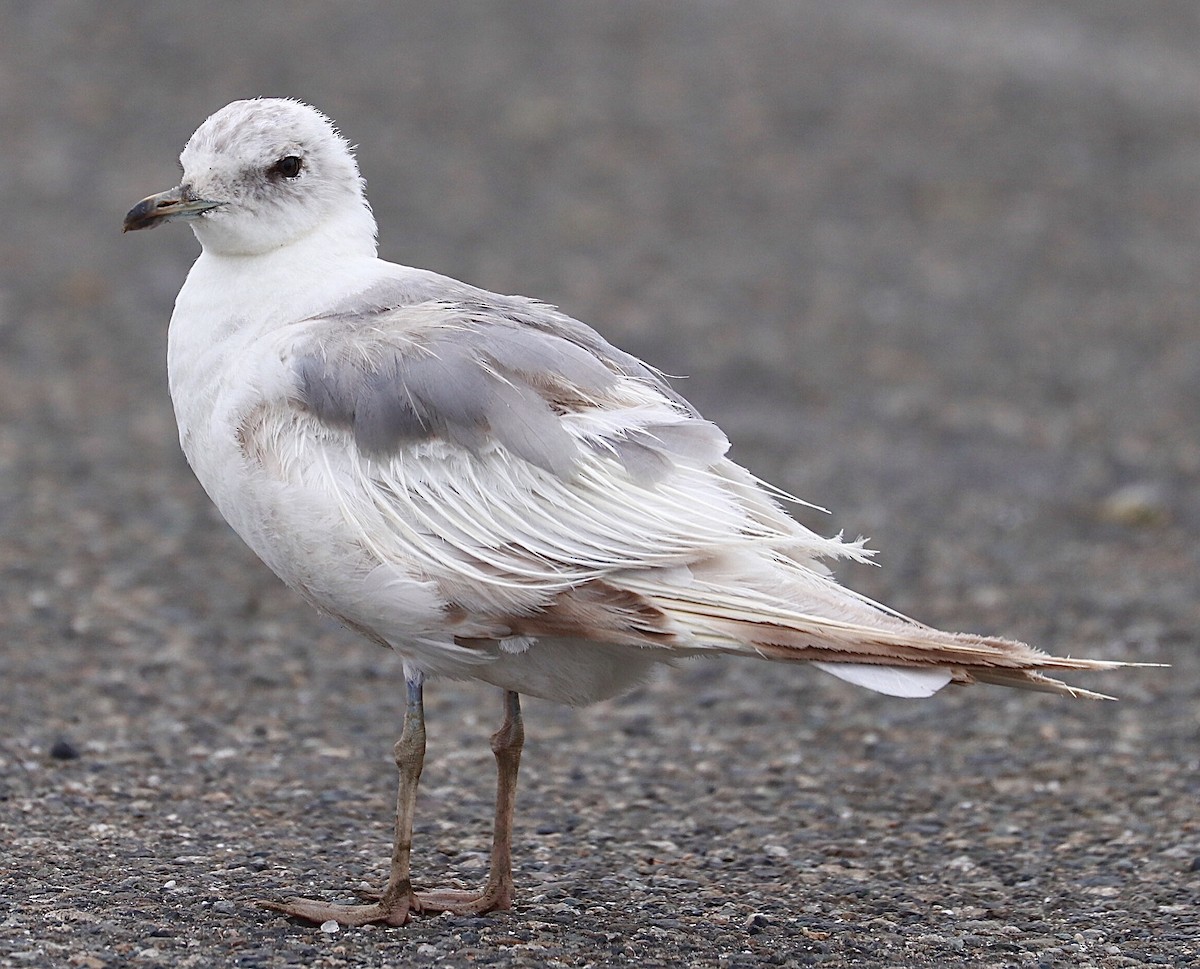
(288,167)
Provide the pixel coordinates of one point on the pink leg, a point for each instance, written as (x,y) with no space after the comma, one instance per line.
(398,901)
(497,894)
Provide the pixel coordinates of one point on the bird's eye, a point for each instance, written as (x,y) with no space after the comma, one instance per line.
(288,167)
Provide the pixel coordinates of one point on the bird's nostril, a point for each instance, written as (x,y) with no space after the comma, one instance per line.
(165,203)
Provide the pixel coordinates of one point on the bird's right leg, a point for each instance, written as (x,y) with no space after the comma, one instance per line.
(397,903)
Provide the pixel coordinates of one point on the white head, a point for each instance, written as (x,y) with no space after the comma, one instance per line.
(260,175)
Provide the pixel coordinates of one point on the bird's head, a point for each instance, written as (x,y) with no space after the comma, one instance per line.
(257,176)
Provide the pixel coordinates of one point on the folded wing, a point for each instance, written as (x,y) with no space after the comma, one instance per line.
(552,486)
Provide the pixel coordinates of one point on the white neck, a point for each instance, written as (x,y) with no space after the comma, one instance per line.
(289,278)
(350,231)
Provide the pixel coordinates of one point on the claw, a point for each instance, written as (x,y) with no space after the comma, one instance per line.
(318,913)
(455,901)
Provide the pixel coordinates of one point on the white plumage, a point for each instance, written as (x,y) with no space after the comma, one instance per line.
(479,481)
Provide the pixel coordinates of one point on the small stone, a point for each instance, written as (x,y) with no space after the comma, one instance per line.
(1143,503)
(64,750)
(330,926)
(755,923)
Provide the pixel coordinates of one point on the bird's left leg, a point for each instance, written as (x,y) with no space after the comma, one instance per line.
(397,903)
(497,894)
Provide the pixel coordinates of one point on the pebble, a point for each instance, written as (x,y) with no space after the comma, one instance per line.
(1142,503)
(330,926)
(64,750)
(756,922)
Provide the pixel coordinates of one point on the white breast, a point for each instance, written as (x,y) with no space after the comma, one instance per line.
(227,374)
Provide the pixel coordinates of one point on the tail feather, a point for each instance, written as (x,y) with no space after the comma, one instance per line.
(1032,680)
(748,622)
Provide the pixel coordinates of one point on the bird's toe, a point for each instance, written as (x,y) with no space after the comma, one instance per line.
(317,912)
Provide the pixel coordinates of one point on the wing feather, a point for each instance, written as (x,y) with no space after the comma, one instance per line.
(510,456)
(548,483)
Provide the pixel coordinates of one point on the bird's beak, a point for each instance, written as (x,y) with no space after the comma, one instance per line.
(179,202)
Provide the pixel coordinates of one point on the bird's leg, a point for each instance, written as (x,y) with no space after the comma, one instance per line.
(497,894)
(397,903)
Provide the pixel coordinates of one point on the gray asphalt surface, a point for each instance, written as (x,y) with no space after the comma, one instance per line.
(933,264)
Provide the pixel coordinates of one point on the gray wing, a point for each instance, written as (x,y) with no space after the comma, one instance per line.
(513,457)
(432,358)
(418,286)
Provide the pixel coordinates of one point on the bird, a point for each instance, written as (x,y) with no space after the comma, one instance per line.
(483,483)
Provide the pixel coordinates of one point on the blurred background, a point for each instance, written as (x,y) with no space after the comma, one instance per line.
(934,265)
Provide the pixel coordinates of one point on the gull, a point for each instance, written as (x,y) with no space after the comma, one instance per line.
(481,482)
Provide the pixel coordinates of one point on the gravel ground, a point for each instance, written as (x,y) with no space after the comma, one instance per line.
(933,264)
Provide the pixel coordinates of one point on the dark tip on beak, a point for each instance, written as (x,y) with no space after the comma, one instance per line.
(175,203)
(142,215)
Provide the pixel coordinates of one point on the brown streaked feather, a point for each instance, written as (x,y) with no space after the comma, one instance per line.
(600,611)
(901,645)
